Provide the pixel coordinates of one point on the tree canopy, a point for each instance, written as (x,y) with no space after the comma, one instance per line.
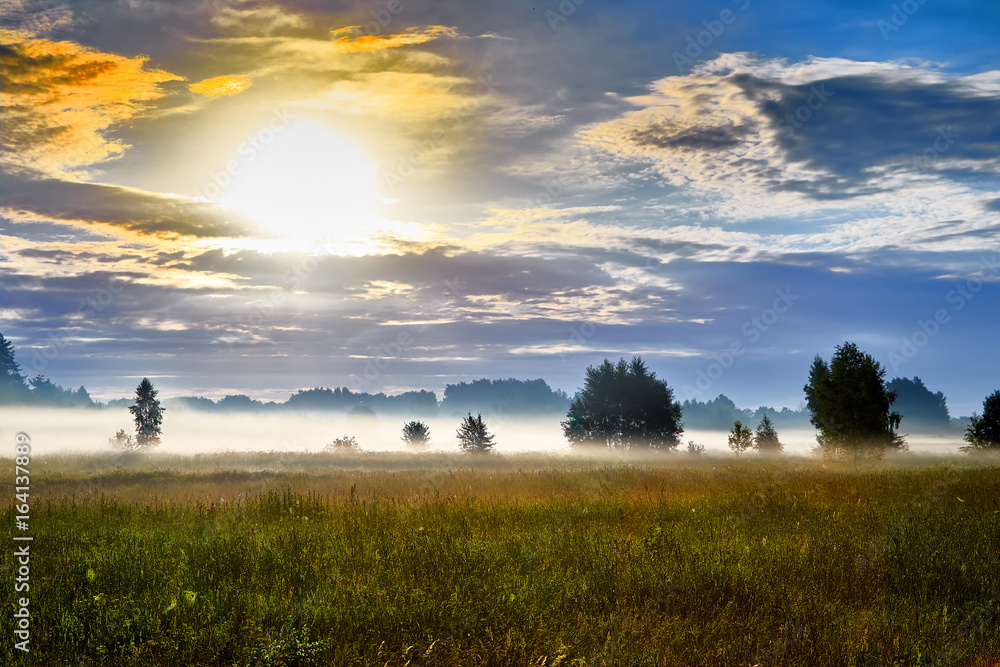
(623,405)
(850,404)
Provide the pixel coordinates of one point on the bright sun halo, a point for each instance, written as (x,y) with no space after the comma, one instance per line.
(309,185)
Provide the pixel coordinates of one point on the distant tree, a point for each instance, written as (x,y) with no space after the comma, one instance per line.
(12,384)
(362,411)
(921,408)
(850,404)
(238,403)
(148,415)
(624,405)
(740,438)
(473,436)
(348,443)
(695,448)
(766,439)
(983,432)
(416,434)
(82,397)
(508,396)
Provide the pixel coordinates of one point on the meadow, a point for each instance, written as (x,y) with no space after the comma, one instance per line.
(301,559)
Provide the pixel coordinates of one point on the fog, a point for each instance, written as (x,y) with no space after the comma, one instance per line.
(55,431)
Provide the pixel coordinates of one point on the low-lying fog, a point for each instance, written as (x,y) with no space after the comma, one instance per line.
(187,432)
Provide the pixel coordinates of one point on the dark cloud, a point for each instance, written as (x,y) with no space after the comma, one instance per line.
(693,138)
(846,126)
(133,210)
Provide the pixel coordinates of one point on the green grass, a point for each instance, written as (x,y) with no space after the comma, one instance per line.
(510,561)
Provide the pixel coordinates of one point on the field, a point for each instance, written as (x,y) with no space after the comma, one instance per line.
(438,559)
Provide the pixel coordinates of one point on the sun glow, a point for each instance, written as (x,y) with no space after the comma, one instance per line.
(308,184)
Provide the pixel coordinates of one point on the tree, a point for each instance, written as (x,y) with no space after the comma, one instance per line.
(766,439)
(740,438)
(850,404)
(416,433)
(473,436)
(984,432)
(12,384)
(148,415)
(623,405)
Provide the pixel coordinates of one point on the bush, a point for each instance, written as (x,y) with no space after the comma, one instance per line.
(347,443)
(695,448)
(123,440)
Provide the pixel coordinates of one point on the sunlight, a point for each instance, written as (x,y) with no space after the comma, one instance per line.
(308,184)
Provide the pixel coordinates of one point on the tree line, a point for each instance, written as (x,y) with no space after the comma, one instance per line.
(622,405)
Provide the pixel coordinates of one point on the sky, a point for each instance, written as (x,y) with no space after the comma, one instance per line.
(244,196)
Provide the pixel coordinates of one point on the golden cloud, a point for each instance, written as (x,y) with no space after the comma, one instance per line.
(221,85)
(60,98)
(352,39)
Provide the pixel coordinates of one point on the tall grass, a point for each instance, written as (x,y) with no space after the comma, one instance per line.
(706,564)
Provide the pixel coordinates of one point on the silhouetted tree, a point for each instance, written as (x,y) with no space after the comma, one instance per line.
(984,432)
(740,438)
(766,439)
(148,415)
(623,405)
(850,404)
(473,436)
(12,384)
(416,433)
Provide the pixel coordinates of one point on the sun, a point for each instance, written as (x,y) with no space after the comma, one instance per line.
(307,184)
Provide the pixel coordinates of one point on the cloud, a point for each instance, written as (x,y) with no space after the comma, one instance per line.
(765,138)
(221,85)
(353,39)
(125,209)
(60,98)
(247,16)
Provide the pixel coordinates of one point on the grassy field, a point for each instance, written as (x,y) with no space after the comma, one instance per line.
(293,560)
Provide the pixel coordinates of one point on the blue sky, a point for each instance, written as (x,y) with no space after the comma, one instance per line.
(255,197)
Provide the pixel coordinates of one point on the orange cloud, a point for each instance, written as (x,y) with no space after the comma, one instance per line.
(352,40)
(221,85)
(60,98)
